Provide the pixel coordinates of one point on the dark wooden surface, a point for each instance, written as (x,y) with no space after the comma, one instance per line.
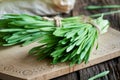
(112,65)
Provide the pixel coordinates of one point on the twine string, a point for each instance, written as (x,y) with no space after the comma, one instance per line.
(56,19)
(90,21)
(86,19)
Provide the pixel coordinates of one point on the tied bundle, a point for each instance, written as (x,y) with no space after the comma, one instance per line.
(71,42)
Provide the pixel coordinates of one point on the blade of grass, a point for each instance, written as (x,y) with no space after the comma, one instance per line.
(105,13)
(101,7)
(99,75)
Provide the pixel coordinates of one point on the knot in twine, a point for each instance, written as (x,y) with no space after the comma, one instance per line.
(56,19)
(90,21)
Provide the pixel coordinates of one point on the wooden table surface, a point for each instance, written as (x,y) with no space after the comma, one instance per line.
(112,65)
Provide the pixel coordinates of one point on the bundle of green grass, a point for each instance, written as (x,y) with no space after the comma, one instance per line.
(71,42)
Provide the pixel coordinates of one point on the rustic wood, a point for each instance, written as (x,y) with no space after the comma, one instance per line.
(17,64)
(111,65)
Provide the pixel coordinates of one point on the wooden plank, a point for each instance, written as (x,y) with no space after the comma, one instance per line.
(84,74)
(15,63)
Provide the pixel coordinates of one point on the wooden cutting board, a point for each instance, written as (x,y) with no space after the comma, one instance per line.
(16,64)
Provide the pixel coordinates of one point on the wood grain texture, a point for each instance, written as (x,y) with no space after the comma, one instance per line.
(112,65)
(15,63)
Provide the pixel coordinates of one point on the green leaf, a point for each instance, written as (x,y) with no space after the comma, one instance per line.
(60,32)
(71,46)
(99,75)
(10,30)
